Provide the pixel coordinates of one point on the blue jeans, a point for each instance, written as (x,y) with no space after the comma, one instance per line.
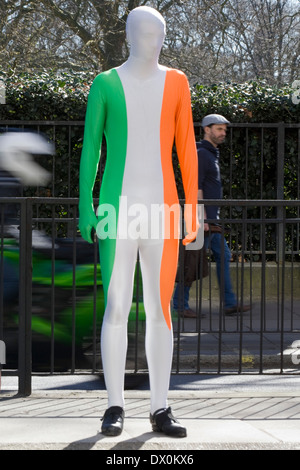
(177,297)
(214,242)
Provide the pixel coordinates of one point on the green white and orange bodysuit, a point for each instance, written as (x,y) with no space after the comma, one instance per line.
(140,120)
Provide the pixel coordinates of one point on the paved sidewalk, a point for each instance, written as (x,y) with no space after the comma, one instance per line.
(254,412)
(247,411)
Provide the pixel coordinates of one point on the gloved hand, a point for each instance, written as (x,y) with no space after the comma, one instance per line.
(87,222)
(191,223)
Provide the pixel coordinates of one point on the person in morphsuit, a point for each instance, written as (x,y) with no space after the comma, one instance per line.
(140,107)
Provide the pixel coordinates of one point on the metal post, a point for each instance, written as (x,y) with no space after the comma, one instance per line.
(25,298)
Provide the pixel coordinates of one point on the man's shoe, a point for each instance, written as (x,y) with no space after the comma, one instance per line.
(237,309)
(163,421)
(113,420)
(189,313)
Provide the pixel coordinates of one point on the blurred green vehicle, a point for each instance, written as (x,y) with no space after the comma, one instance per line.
(67,307)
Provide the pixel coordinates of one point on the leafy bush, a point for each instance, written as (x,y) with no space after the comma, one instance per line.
(248,102)
(46,96)
(53,96)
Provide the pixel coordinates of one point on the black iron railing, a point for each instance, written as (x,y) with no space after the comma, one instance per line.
(52,305)
(258,160)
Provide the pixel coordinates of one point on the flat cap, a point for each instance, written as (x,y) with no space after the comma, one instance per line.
(214,119)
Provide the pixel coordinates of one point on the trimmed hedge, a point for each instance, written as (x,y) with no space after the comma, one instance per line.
(51,96)
(45,96)
(248,102)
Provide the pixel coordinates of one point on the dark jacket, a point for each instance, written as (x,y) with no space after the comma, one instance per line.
(209,178)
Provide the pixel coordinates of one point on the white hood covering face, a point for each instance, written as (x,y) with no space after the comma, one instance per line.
(16,150)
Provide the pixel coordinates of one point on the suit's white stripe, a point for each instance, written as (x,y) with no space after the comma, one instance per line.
(143,179)
(142,184)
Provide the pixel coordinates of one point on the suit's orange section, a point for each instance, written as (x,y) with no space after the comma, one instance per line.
(176,120)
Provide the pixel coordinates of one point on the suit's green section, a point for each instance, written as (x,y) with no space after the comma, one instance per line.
(106,114)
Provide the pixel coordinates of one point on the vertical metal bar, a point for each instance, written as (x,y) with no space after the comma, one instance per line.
(180,310)
(53,163)
(210,288)
(292,277)
(199,284)
(69,160)
(52,307)
(137,296)
(237,257)
(280,185)
(74,261)
(250,274)
(298,195)
(261,162)
(282,293)
(222,300)
(242,287)
(246,162)
(180,303)
(25,298)
(263,291)
(230,164)
(278,279)
(95,291)
(230,174)
(180,316)
(261,177)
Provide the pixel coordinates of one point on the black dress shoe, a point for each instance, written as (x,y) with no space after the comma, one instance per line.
(163,421)
(113,420)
